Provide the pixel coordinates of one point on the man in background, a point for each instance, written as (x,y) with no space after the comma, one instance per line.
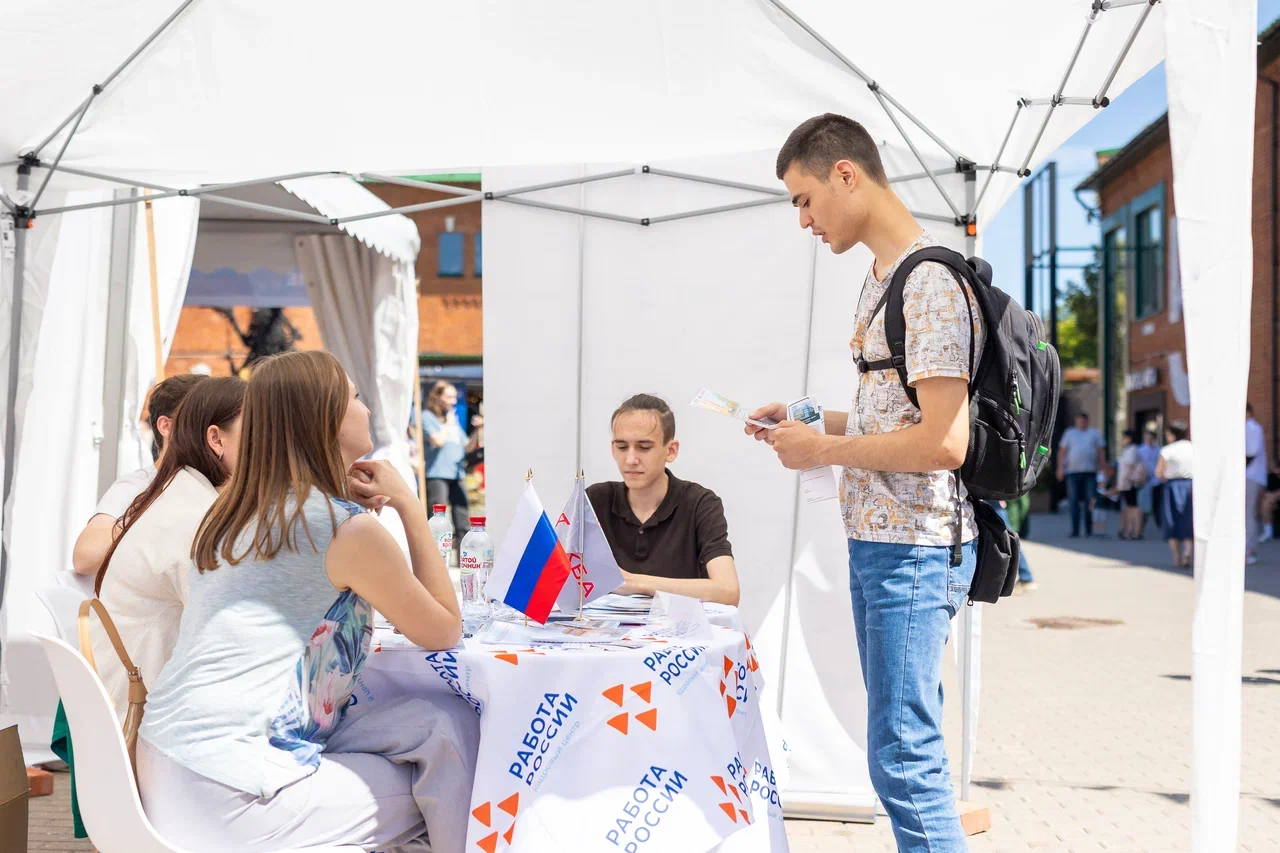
(1081,455)
(95,540)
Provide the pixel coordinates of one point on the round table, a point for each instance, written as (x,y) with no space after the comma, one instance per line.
(602,747)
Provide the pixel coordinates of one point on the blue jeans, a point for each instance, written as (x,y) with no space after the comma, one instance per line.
(1024,570)
(1081,489)
(904,597)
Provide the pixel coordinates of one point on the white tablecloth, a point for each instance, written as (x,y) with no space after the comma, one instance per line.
(660,748)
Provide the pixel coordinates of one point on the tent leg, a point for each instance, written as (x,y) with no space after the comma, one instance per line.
(11,389)
(115,358)
(969,730)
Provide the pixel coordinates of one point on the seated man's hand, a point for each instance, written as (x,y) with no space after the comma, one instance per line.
(631,586)
(774,412)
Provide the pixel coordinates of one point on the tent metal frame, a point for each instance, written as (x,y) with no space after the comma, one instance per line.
(24,211)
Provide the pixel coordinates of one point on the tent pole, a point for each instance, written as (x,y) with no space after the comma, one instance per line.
(621,173)
(196,191)
(1056,100)
(11,389)
(116,352)
(916,151)
(154,274)
(98,88)
(795,514)
(563,208)
(672,217)
(719,182)
(1101,99)
(995,165)
(110,178)
(63,150)
(582,277)
(969,658)
(267,208)
(777,4)
(412,208)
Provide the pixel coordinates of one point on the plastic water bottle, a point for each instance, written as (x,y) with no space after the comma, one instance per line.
(442,530)
(475,564)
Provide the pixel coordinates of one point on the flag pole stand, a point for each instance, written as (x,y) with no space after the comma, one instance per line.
(528,478)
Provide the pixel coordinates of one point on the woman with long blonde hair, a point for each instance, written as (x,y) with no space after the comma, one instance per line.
(251,740)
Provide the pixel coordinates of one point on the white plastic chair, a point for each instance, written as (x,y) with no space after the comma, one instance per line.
(63,604)
(75,580)
(109,803)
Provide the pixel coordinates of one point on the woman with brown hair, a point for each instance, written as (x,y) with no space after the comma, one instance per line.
(447,446)
(143,580)
(251,740)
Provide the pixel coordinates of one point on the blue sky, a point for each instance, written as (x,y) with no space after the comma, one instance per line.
(1138,106)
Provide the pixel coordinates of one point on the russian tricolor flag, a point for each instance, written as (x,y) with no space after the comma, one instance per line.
(531,568)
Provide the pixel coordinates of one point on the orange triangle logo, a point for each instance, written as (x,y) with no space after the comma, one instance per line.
(614,695)
(509,658)
(748,639)
(740,811)
(489,843)
(481,813)
(644,691)
(719,783)
(722,688)
(510,805)
(507,835)
(620,723)
(736,795)
(728,666)
(728,809)
(732,703)
(649,718)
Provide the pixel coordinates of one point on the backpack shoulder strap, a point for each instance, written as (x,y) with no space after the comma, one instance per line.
(895,323)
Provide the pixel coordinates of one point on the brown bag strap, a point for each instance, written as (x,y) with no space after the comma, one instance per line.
(137,688)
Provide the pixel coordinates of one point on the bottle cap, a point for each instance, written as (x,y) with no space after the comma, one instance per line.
(477,521)
(438,507)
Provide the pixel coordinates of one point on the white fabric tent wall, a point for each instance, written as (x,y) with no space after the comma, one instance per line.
(56,474)
(1211,73)
(744,303)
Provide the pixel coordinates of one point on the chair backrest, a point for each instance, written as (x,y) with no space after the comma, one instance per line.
(63,604)
(73,580)
(109,803)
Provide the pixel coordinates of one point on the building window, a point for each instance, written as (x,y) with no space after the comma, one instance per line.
(479,257)
(1148,262)
(449,255)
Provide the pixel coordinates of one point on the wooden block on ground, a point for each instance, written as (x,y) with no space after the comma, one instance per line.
(40,782)
(973,817)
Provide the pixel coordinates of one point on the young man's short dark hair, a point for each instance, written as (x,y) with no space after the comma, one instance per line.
(163,403)
(650,403)
(1179,430)
(822,141)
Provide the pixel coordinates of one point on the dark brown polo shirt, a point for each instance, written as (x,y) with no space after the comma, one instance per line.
(686,532)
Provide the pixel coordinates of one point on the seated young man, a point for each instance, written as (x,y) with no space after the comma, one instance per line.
(668,535)
(95,540)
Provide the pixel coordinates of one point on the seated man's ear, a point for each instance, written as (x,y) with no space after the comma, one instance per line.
(673,450)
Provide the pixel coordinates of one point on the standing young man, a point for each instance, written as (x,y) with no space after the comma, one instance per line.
(900,501)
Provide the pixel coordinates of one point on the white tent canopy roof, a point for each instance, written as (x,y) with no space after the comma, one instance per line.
(229,92)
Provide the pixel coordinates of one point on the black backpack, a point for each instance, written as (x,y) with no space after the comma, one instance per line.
(1013,404)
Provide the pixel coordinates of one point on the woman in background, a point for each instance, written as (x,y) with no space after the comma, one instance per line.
(1174,468)
(446,449)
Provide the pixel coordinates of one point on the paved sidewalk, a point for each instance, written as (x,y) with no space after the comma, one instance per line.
(1085,735)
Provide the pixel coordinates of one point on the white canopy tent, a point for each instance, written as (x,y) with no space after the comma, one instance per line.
(946,85)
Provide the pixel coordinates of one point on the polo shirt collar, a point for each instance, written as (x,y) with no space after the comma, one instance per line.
(622,507)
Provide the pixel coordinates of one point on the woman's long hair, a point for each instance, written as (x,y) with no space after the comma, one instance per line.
(293,413)
(435,394)
(212,402)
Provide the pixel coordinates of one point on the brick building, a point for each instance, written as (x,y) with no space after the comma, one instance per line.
(1142,344)
(449,300)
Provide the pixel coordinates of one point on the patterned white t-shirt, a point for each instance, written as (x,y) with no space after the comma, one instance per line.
(901,508)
